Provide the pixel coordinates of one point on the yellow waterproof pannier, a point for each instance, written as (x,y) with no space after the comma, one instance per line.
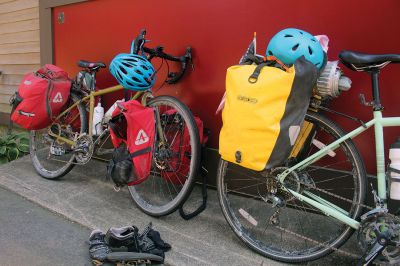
(264,109)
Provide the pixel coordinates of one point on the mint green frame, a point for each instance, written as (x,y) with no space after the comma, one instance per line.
(329,208)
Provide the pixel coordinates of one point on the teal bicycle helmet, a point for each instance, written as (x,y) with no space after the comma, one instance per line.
(290,44)
(133,72)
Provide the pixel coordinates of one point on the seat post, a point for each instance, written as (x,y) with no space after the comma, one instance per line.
(375,90)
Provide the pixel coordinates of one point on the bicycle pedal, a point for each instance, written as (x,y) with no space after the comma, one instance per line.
(57,150)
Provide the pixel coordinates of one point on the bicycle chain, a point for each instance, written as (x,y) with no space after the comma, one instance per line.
(338,197)
(344,199)
(317,242)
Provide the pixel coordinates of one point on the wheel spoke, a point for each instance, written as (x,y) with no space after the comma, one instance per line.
(172,163)
(71,124)
(299,232)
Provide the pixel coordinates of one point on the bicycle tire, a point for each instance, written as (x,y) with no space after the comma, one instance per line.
(54,168)
(144,194)
(283,245)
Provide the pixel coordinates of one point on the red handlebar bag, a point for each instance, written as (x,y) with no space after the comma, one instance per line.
(134,125)
(40,97)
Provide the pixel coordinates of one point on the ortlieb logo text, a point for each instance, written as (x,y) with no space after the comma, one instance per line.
(247,99)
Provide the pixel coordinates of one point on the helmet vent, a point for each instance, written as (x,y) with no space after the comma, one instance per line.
(139,72)
(310,50)
(125,64)
(130,83)
(123,70)
(145,67)
(301,32)
(294,48)
(136,79)
(314,40)
(288,36)
(119,75)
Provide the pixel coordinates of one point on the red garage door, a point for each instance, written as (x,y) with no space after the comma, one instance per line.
(220,31)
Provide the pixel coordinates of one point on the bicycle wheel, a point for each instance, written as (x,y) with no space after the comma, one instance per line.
(53,159)
(296,232)
(174,164)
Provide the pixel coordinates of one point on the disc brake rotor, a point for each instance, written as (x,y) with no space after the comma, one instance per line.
(161,156)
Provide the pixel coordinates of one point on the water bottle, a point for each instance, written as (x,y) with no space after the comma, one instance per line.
(97,119)
(108,114)
(394,156)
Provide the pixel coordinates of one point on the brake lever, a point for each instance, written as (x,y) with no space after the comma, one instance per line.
(138,43)
(159,49)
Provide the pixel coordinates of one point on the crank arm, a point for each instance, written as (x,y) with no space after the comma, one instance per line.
(369,257)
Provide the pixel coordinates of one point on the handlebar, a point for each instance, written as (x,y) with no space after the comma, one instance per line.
(173,77)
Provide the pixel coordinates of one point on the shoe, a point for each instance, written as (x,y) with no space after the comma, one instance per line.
(150,242)
(98,249)
(126,236)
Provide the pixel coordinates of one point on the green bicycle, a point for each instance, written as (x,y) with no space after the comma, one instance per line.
(309,207)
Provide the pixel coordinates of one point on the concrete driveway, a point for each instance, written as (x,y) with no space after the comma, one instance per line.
(32,235)
(83,196)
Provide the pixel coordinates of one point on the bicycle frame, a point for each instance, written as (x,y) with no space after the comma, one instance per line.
(330,209)
(91,98)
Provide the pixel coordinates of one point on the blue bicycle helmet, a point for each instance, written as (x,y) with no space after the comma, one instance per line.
(290,44)
(133,72)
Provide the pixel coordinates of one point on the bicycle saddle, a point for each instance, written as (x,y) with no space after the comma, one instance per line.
(91,65)
(367,62)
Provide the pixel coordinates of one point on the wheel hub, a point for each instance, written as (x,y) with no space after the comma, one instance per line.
(163,153)
(276,188)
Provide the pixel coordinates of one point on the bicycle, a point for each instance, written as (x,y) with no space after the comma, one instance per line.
(299,212)
(69,141)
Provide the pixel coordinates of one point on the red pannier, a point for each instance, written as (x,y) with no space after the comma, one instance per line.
(134,125)
(179,164)
(40,97)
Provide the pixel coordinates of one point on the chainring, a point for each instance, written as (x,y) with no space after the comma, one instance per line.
(84,149)
(367,237)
